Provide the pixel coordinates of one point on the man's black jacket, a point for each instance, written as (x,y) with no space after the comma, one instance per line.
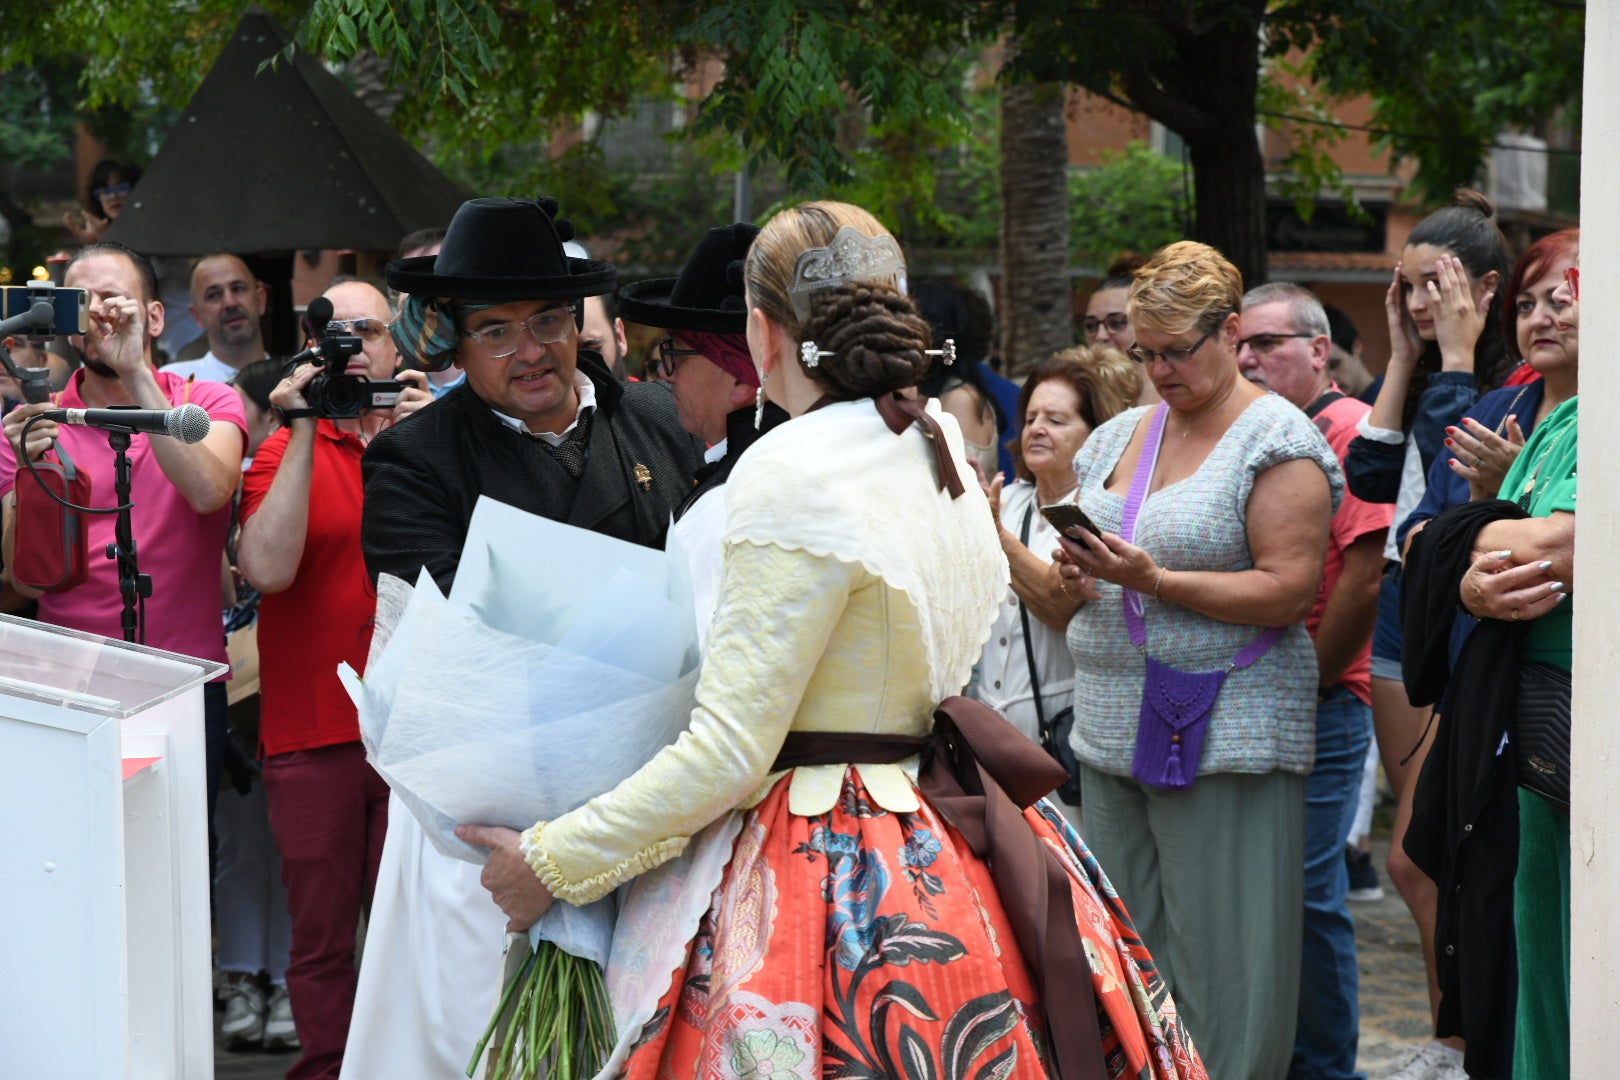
(424,476)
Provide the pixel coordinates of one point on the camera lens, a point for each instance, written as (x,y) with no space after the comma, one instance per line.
(342,396)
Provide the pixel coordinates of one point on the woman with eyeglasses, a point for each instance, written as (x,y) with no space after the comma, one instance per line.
(1106,321)
(1195,683)
(1511,435)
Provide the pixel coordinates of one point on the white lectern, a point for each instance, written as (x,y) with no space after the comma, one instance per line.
(104,921)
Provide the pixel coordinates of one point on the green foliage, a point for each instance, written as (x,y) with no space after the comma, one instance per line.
(1133,201)
(1308,170)
(1445,78)
(36,118)
(796,71)
(858,98)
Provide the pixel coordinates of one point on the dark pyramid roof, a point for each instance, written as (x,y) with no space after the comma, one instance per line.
(284,159)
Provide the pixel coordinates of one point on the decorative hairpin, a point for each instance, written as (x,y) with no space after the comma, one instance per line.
(809,355)
(947,349)
(852,256)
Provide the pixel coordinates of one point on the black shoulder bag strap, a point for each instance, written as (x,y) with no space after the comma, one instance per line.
(1029,646)
(1321,403)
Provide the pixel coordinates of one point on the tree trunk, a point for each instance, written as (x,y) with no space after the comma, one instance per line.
(1037,313)
(1229,200)
(370,74)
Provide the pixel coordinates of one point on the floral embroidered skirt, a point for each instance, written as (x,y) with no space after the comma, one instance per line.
(869,944)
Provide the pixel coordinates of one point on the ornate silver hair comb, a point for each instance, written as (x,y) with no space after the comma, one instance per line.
(851,256)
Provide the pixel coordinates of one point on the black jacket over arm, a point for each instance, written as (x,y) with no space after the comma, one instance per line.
(424,476)
(1464,832)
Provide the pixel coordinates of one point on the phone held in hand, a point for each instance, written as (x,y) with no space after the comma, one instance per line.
(1068,519)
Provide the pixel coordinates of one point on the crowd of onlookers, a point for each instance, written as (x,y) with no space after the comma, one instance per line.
(1299,573)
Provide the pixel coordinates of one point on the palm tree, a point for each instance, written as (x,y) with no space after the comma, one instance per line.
(1037,312)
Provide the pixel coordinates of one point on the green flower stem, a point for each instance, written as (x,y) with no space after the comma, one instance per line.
(562,1025)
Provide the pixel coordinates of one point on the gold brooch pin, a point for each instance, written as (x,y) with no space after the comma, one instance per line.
(643,477)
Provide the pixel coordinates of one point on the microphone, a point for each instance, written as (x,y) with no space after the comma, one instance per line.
(316,316)
(188,423)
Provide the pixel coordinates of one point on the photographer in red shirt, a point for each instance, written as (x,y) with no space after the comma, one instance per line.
(300,547)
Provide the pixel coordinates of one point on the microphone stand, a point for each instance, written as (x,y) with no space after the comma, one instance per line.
(133,585)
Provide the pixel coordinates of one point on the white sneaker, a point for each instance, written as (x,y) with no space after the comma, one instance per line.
(279,1032)
(1431,1061)
(243,1026)
(1451,1067)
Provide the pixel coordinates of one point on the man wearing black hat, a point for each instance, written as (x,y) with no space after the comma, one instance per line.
(705,358)
(539,424)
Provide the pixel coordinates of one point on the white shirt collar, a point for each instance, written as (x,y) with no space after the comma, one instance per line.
(715,452)
(587,400)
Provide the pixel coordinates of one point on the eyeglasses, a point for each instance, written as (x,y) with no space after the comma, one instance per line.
(1169,356)
(1266,344)
(1117,324)
(366,329)
(502,339)
(114,189)
(669,357)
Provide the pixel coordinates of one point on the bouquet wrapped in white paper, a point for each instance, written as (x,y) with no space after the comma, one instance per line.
(561,662)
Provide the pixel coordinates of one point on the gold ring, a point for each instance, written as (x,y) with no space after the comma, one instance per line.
(1514,615)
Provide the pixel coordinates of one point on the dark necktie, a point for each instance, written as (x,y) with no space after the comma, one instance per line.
(575,447)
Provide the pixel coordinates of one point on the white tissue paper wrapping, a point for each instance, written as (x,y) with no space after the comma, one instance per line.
(561,662)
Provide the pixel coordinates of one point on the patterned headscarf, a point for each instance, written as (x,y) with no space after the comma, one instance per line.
(427,329)
(728,352)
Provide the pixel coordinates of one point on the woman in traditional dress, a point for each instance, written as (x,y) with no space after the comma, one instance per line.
(811,895)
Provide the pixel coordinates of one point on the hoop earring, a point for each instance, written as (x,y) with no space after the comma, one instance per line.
(759,402)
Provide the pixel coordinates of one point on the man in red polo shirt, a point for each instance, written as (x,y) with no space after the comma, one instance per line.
(300,546)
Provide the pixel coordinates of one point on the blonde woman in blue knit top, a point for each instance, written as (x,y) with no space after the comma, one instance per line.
(1233,529)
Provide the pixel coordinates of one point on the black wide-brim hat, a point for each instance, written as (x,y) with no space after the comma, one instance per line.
(707,296)
(504,250)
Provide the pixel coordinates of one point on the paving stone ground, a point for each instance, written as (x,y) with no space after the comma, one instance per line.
(1394,999)
(1394,990)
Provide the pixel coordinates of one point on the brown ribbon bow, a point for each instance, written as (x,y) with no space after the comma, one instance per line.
(900,411)
(980,774)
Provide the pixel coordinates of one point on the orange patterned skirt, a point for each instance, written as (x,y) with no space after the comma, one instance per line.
(863,944)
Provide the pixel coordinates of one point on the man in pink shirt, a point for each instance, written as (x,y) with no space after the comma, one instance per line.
(181,494)
(1285,348)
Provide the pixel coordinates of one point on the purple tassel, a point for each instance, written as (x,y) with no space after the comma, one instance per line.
(1172,777)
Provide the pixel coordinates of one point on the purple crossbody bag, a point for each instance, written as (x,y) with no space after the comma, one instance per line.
(1176,705)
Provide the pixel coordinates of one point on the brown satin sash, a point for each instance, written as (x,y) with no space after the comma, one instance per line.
(980,774)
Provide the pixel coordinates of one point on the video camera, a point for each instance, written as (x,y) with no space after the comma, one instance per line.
(334,394)
(40,311)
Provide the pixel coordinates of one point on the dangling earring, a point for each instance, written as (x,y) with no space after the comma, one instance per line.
(759,402)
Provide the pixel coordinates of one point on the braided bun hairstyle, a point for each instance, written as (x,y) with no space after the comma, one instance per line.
(876,337)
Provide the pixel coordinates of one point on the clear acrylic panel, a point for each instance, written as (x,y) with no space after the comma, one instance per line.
(91,673)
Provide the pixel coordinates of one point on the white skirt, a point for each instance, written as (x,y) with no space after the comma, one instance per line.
(430,975)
